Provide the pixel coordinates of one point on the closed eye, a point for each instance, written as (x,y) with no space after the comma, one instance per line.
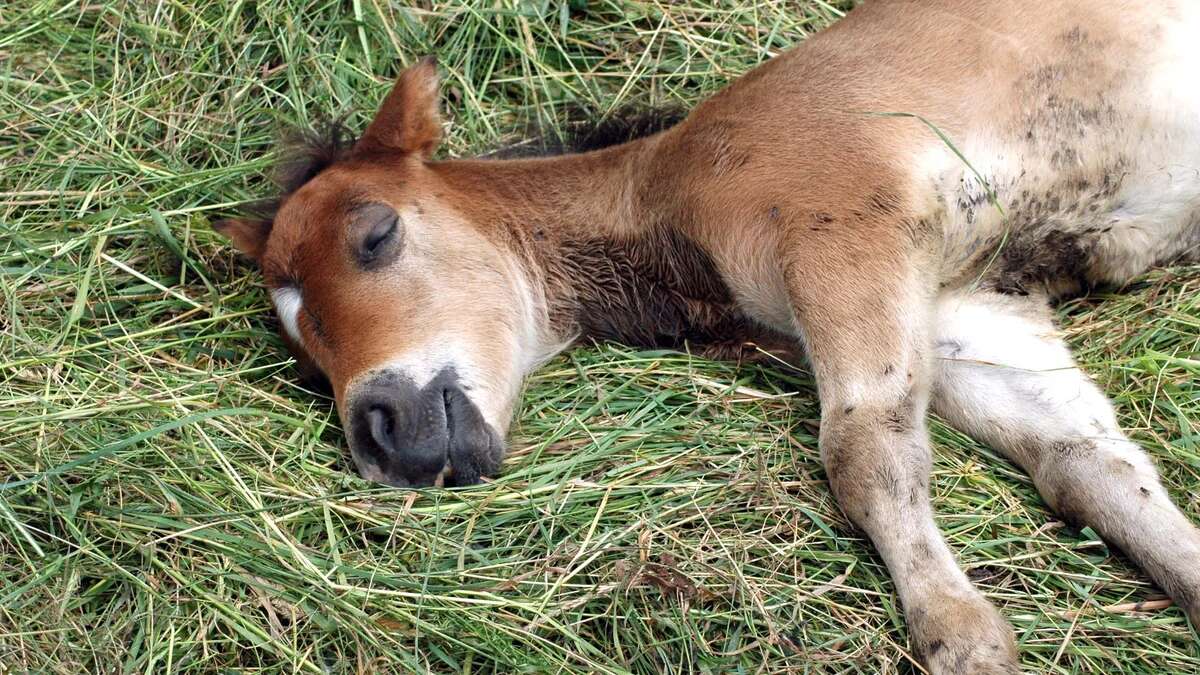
(378,236)
(314,323)
(380,226)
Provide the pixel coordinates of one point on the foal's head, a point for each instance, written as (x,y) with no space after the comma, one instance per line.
(423,321)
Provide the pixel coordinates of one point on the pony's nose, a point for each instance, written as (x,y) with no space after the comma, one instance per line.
(401,433)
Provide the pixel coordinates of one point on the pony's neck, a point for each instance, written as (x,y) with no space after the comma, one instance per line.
(598,243)
(553,199)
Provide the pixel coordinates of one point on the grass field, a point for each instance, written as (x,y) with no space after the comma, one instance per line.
(173,501)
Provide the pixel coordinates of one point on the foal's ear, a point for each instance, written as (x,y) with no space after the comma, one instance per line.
(408,121)
(249,235)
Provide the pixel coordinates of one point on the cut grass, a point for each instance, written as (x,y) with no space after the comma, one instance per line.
(174,502)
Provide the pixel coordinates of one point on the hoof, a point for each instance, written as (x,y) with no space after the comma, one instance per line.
(963,636)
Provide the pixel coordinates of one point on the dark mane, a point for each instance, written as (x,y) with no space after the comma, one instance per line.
(583,129)
(308,152)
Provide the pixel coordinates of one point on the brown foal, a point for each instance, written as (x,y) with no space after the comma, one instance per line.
(813,202)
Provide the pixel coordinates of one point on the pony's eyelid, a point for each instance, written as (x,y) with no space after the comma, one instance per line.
(392,222)
(314,324)
(379,229)
(365,209)
(378,235)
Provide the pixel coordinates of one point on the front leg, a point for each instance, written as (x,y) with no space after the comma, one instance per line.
(868,339)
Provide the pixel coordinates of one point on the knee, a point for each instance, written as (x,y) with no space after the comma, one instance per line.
(875,455)
(868,431)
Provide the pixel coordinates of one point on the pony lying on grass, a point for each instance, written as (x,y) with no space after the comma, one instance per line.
(903,197)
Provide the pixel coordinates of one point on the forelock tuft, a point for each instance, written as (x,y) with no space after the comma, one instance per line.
(308,152)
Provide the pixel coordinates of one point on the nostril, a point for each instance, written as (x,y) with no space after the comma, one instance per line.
(448,408)
(407,433)
(382,425)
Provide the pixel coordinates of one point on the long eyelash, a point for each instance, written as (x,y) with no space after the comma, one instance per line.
(317,327)
(276,276)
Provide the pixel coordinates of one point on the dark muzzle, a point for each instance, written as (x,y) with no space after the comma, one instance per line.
(410,436)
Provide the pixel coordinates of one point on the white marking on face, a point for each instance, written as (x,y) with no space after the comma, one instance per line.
(287,304)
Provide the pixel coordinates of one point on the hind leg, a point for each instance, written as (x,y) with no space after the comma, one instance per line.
(1004,378)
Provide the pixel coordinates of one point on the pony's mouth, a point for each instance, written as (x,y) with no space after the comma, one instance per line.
(428,436)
